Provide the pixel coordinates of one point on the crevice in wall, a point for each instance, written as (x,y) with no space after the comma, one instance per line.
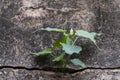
(61,70)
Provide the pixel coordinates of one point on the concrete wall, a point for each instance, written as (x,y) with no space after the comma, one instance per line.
(19,18)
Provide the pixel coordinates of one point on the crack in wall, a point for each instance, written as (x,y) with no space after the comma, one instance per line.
(61,70)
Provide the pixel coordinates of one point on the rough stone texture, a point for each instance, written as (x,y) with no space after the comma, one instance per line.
(17,37)
(55,13)
(108,17)
(17,45)
(97,75)
(21,74)
(19,18)
(18,40)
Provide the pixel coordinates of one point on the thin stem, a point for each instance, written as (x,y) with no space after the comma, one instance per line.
(97,47)
(68,58)
(64,63)
(75,40)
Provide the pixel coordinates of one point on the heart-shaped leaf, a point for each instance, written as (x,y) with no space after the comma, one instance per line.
(70,49)
(78,62)
(86,34)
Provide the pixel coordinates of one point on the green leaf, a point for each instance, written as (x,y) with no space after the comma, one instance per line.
(65,39)
(53,29)
(44,52)
(86,34)
(69,41)
(59,58)
(70,49)
(62,40)
(78,62)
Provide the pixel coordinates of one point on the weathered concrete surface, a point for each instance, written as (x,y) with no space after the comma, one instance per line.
(17,45)
(21,74)
(19,18)
(108,17)
(17,38)
(97,75)
(18,41)
(39,13)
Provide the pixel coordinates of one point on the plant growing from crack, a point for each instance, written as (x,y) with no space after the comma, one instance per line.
(68,46)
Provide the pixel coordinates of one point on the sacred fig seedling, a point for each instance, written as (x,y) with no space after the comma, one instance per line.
(68,46)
